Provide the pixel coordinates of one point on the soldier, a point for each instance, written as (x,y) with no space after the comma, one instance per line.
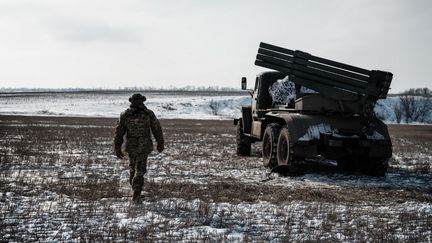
(137,123)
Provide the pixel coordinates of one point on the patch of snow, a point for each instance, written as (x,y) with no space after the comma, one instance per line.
(376,136)
(315,131)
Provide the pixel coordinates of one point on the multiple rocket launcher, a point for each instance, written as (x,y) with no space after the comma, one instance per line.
(333,79)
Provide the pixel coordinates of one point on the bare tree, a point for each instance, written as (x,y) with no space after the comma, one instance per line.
(398,112)
(406,102)
(214,106)
(426,92)
(424,109)
(415,109)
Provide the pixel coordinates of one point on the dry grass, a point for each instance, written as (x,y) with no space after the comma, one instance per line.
(412,146)
(59,181)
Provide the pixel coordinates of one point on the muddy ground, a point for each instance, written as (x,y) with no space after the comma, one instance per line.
(60,181)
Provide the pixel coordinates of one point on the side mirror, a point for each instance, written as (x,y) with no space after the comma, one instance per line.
(243,83)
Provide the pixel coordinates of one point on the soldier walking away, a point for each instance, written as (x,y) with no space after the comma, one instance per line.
(138,123)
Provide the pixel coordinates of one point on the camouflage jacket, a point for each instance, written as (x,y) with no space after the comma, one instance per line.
(138,124)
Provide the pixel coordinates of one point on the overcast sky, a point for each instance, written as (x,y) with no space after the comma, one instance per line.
(110,44)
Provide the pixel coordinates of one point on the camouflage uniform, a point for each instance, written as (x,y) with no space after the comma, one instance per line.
(137,123)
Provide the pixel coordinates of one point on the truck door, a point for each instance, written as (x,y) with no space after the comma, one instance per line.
(255,99)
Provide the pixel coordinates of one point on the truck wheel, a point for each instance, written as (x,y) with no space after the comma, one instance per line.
(284,149)
(375,166)
(269,145)
(243,142)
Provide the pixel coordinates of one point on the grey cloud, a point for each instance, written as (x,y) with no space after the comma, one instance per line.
(94,32)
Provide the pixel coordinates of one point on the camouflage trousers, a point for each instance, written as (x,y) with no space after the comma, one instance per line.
(137,170)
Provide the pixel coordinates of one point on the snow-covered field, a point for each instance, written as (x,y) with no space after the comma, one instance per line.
(60,182)
(179,105)
(183,105)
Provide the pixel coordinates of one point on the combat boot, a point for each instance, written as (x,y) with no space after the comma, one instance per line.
(136,197)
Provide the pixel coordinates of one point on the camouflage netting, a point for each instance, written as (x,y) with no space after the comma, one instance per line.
(283,91)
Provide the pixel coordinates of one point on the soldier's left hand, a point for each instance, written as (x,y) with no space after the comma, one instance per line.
(118,153)
(160,148)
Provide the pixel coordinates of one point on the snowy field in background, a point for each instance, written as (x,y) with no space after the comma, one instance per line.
(166,105)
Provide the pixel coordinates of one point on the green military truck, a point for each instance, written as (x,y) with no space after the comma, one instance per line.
(329,112)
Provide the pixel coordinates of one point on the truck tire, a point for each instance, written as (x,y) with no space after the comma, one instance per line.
(284,148)
(243,142)
(374,166)
(269,145)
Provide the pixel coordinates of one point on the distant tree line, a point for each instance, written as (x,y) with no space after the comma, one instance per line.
(131,89)
(425,92)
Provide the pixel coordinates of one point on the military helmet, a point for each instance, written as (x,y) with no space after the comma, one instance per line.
(137,97)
